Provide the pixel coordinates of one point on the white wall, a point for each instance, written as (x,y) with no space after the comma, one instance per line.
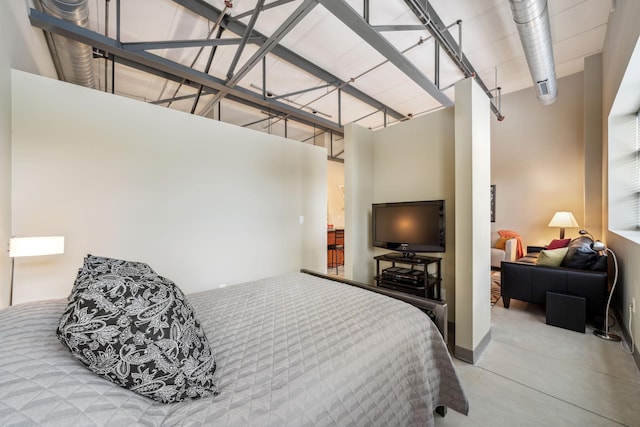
(358,185)
(20,48)
(622,36)
(414,161)
(537,162)
(202,202)
(5,152)
(593,145)
(410,161)
(418,160)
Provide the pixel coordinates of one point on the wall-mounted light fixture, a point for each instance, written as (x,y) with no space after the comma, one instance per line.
(33,246)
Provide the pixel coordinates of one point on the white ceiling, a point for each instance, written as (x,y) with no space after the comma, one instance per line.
(489,40)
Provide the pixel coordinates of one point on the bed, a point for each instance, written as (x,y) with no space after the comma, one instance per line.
(293,350)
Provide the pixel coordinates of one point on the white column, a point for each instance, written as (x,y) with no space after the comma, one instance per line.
(358,187)
(472,221)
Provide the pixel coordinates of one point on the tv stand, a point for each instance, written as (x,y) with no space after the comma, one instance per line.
(416,279)
(402,255)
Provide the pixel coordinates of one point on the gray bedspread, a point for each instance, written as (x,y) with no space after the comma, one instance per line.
(294,350)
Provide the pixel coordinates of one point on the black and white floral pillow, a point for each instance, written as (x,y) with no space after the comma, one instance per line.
(136,328)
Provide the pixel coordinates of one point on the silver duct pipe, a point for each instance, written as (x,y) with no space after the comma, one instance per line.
(75,59)
(532,19)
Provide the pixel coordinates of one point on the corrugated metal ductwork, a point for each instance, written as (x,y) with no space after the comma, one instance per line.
(75,59)
(532,19)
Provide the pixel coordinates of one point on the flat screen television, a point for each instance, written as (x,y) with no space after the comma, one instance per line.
(409,227)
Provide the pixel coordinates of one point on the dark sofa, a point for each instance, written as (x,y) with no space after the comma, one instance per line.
(526,281)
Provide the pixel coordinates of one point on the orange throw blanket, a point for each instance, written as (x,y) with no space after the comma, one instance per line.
(510,234)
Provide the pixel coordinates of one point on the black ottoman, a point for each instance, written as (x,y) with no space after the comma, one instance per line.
(566,311)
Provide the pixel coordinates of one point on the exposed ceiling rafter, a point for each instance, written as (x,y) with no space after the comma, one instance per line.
(245,37)
(209,12)
(432,22)
(180,44)
(161,66)
(383,28)
(262,9)
(360,26)
(137,54)
(268,46)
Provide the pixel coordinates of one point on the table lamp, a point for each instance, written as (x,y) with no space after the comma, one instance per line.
(32,246)
(563,220)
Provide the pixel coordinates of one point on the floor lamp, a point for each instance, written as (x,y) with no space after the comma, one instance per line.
(32,246)
(604,334)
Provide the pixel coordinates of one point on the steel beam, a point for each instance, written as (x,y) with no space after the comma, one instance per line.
(214,49)
(165,67)
(436,63)
(340,107)
(264,78)
(345,13)
(366,11)
(204,9)
(175,98)
(273,41)
(432,22)
(210,92)
(298,92)
(263,8)
(398,27)
(179,44)
(245,38)
(368,115)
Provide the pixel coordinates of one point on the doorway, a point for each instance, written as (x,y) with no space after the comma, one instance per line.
(335,218)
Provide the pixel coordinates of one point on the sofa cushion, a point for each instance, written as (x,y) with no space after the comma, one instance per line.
(579,254)
(558,243)
(501,243)
(600,264)
(552,258)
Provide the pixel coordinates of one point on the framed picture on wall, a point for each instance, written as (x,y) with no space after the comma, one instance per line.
(493,203)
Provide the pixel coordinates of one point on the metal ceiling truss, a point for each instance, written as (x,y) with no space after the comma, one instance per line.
(245,37)
(207,67)
(209,12)
(433,24)
(360,26)
(137,55)
(209,91)
(439,31)
(180,44)
(171,70)
(271,5)
(268,46)
(271,114)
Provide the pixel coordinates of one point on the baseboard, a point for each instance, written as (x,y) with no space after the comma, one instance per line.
(636,357)
(626,336)
(451,338)
(472,356)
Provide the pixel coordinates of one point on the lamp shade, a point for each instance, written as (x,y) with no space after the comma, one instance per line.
(564,220)
(34,246)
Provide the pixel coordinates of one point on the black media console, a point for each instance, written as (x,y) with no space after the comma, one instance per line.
(412,277)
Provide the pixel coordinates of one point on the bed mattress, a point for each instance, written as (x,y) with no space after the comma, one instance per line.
(293,350)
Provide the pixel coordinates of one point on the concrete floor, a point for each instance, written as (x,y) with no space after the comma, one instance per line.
(533,374)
